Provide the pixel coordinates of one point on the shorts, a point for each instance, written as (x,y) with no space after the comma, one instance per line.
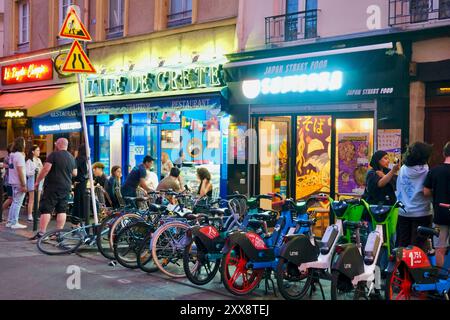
(9,191)
(30,183)
(442,240)
(54,201)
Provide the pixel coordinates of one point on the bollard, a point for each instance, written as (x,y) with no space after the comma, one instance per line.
(35,204)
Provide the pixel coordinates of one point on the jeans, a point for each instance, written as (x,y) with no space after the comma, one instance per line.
(14,210)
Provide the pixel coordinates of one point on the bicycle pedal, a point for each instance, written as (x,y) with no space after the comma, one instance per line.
(112,263)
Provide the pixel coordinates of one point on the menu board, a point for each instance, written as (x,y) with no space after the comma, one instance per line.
(390,140)
(353,161)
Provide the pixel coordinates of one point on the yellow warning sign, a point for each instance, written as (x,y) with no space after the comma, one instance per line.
(77,60)
(73,28)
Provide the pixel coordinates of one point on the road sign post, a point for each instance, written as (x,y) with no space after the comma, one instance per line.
(78,62)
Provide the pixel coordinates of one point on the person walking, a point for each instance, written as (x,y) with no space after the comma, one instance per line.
(6,184)
(437,186)
(80,203)
(417,211)
(17,180)
(58,170)
(380,181)
(33,166)
(166,165)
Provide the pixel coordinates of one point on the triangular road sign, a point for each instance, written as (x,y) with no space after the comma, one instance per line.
(73,28)
(77,60)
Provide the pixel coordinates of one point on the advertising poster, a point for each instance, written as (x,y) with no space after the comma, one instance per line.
(313,155)
(390,140)
(353,161)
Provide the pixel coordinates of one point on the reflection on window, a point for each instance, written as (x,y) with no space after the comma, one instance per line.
(24,22)
(180,13)
(354,147)
(116,9)
(444,9)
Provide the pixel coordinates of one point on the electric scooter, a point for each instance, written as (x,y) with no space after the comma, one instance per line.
(298,268)
(412,273)
(355,273)
(248,257)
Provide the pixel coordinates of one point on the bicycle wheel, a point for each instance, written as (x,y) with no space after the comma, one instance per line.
(121,222)
(195,260)
(128,241)
(342,287)
(236,277)
(168,245)
(61,241)
(103,234)
(144,256)
(292,284)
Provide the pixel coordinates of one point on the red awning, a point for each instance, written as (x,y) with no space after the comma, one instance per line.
(25,99)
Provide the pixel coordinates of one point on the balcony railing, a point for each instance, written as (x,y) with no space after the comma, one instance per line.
(179,19)
(416,11)
(291,27)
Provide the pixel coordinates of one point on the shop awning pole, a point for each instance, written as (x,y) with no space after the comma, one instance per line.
(88,149)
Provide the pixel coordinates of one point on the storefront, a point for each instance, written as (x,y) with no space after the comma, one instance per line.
(29,88)
(316,118)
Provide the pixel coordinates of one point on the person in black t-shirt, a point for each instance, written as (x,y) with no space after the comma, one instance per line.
(437,185)
(80,205)
(58,170)
(380,181)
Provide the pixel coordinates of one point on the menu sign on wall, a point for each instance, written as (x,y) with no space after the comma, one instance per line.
(390,140)
(39,70)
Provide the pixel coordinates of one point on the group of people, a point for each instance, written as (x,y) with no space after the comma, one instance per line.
(61,174)
(419,188)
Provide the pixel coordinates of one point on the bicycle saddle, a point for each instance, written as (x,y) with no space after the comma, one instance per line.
(306,223)
(428,232)
(339,208)
(380,212)
(266,215)
(219,211)
(157,207)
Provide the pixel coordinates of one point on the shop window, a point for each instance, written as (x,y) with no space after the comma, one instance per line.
(313,155)
(354,147)
(444,9)
(24,24)
(116,13)
(180,13)
(274,141)
(419,10)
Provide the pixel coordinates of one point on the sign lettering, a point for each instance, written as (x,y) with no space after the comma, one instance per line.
(40,70)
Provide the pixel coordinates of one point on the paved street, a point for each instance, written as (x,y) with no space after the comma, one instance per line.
(25,273)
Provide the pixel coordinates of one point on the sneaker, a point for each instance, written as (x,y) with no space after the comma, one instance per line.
(18,226)
(30,219)
(8,225)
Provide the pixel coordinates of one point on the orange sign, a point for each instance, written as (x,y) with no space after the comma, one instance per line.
(73,28)
(77,60)
(27,72)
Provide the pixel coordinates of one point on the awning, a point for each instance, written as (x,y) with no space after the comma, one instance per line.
(41,101)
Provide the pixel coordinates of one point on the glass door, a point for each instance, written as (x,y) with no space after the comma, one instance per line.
(274,145)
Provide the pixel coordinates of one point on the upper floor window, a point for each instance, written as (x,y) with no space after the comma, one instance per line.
(24,23)
(63,7)
(180,13)
(444,9)
(301,19)
(116,13)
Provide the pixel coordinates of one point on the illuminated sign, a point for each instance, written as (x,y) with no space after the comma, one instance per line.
(40,70)
(14,114)
(323,81)
(68,126)
(170,79)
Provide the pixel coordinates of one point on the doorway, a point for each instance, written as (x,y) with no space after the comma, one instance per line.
(437,131)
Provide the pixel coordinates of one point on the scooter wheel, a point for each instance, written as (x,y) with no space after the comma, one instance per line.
(292,284)
(236,277)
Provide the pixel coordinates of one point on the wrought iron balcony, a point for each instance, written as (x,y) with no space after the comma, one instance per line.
(291,27)
(415,11)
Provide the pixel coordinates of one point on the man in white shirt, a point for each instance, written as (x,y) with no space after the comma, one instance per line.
(17,179)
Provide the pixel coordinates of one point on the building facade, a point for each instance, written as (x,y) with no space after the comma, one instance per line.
(322,84)
(159,85)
